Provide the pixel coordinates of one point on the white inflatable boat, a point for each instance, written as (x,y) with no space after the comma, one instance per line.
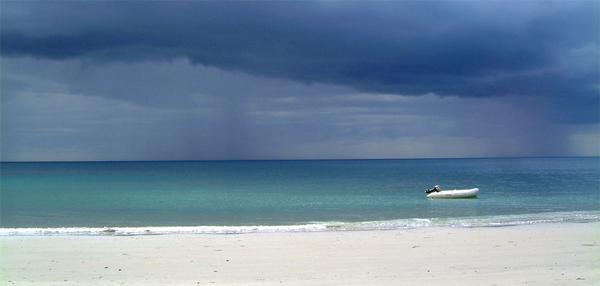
(454,194)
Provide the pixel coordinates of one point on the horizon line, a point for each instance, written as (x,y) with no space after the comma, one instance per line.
(307,159)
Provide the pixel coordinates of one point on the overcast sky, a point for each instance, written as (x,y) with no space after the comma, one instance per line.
(298,80)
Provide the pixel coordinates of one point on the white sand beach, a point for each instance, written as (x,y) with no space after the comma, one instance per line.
(544,254)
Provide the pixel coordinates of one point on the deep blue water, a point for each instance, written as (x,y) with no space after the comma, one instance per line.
(233,193)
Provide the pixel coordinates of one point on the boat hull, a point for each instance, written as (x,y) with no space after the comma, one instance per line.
(455,194)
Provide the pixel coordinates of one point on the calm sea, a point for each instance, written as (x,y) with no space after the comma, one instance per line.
(248,196)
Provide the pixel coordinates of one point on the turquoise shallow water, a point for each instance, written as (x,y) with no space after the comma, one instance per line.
(339,194)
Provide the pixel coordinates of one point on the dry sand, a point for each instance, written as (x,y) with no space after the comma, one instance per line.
(552,254)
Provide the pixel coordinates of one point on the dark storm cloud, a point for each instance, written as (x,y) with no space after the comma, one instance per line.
(469,49)
(272,80)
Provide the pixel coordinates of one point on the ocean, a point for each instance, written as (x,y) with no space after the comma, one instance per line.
(46,198)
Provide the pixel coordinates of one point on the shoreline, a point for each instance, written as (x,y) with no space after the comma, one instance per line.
(394,224)
(538,254)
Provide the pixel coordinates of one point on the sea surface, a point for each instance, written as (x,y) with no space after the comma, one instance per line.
(304,195)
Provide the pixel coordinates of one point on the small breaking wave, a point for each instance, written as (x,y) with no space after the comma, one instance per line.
(155,230)
(397,224)
(468,222)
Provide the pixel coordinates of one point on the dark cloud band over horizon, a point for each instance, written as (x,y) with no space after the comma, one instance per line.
(540,54)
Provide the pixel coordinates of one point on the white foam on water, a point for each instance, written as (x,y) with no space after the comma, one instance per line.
(410,223)
(161,230)
(527,219)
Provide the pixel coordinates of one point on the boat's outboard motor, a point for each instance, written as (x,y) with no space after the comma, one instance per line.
(434,189)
